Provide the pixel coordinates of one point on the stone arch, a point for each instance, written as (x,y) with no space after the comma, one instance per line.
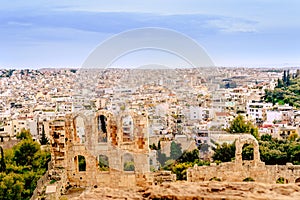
(102,128)
(79,129)
(80,163)
(127,126)
(297,180)
(103,162)
(106,127)
(128,162)
(79,116)
(246,139)
(246,155)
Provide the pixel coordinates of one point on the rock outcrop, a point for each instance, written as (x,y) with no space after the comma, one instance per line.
(201,190)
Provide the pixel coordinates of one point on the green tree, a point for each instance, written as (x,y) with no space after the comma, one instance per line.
(279,83)
(25,151)
(224,152)
(159,145)
(247,153)
(161,157)
(11,186)
(2,161)
(239,125)
(175,150)
(189,156)
(24,134)
(44,139)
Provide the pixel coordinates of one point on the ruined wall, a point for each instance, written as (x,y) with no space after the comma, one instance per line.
(119,140)
(239,169)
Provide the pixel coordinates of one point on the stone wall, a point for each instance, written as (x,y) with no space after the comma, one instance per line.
(239,169)
(120,139)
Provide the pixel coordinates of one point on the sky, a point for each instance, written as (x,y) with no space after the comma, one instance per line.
(49,33)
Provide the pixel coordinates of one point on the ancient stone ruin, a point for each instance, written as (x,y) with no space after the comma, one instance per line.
(101,149)
(239,169)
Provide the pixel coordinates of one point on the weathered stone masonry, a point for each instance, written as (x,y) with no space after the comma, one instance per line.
(98,135)
(239,169)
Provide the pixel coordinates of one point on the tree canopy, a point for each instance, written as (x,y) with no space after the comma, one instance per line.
(272,151)
(287,90)
(239,125)
(25,164)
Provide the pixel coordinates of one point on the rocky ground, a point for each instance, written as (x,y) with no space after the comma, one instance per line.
(201,190)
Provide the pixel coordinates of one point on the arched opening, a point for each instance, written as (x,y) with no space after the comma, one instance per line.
(281,180)
(81,163)
(103,163)
(79,130)
(128,162)
(127,127)
(297,180)
(102,128)
(247,152)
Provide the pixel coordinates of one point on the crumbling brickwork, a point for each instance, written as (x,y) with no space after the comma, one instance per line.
(240,169)
(101,149)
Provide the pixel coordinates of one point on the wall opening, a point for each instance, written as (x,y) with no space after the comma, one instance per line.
(281,180)
(79,130)
(128,162)
(81,163)
(102,128)
(127,128)
(247,152)
(297,180)
(103,163)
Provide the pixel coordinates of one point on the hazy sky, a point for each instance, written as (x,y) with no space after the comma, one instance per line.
(41,33)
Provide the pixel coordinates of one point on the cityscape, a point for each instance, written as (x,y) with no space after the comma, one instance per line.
(149,113)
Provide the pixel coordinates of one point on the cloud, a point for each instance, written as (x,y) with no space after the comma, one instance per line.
(231,25)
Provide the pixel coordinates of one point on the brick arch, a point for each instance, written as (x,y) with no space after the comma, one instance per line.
(129,135)
(85,123)
(240,142)
(139,128)
(128,157)
(111,126)
(90,161)
(103,162)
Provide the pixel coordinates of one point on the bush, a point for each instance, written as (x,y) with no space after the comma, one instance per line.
(280,180)
(129,166)
(215,179)
(248,179)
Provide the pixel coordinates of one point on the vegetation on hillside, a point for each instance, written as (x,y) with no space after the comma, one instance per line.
(239,125)
(272,150)
(287,90)
(179,161)
(25,164)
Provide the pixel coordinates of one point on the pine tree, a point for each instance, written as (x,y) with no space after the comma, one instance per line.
(288,81)
(2,161)
(284,77)
(158,145)
(175,151)
(44,139)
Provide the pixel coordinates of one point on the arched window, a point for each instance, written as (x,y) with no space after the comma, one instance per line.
(80,163)
(247,152)
(127,128)
(79,128)
(103,163)
(102,128)
(128,162)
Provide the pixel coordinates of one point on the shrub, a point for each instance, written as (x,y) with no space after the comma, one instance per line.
(248,179)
